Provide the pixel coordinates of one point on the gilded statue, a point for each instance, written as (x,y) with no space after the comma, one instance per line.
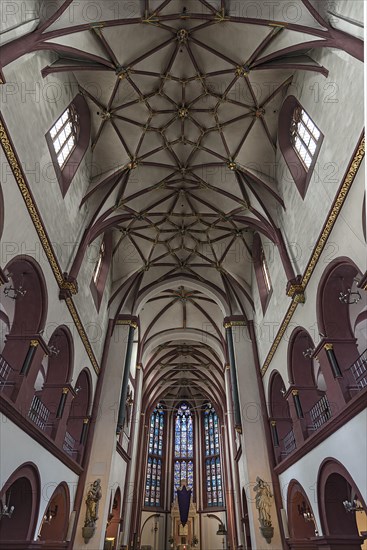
(263,503)
(94,495)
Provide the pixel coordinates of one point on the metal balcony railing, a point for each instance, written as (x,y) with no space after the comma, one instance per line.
(39,413)
(69,444)
(289,443)
(358,373)
(5,371)
(320,413)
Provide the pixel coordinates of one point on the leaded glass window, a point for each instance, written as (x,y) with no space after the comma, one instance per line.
(213,472)
(304,135)
(64,135)
(184,448)
(155,451)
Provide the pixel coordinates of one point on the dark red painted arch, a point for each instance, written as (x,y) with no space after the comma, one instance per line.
(333,487)
(24,484)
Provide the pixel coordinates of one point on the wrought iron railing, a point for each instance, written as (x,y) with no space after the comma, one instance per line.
(69,444)
(289,443)
(358,372)
(5,371)
(39,413)
(320,413)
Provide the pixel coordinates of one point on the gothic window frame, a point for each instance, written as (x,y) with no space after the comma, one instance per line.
(262,272)
(287,128)
(157,458)
(101,269)
(65,134)
(210,459)
(79,115)
(305,136)
(182,458)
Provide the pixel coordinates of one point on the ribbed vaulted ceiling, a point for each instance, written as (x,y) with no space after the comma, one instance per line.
(184,98)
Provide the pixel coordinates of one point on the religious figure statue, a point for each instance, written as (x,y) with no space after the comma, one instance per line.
(94,495)
(263,503)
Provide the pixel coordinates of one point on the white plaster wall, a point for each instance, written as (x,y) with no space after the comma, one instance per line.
(52,471)
(337,109)
(17,18)
(148,536)
(30,106)
(346,239)
(21,238)
(347,446)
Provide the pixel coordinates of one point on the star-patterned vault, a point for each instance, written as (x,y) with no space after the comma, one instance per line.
(184,98)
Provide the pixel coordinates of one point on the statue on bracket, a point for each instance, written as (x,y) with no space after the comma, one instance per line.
(263,503)
(94,495)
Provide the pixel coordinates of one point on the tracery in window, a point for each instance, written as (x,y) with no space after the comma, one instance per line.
(155,452)
(304,136)
(64,135)
(213,472)
(184,448)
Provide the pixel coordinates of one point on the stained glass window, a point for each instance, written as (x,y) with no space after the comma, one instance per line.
(184,448)
(213,473)
(155,451)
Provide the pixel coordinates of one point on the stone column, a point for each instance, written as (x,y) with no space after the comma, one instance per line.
(104,438)
(135,475)
(256,442)
(229,451)
(233,371)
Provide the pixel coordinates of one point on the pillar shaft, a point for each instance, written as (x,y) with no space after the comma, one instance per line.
(103,447)
(125,382)
(232,363)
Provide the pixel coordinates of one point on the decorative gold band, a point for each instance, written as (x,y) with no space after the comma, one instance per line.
(329,224)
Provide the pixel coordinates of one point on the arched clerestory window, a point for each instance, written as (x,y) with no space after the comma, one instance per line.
(183,448)
(213,471)
(300,141)
(101,269)
(262,272)
(68,140)
(153,481)
(64,134)
(305,136)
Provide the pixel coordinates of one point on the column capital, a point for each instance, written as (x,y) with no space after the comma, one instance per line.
(234,321)
(125,320)
(68,286)
(295,290)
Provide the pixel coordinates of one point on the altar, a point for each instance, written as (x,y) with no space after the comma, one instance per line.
(184,535)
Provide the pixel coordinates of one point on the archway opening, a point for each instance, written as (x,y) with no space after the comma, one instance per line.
(281,422)
(20,496)
(77,424)
(55,520)
(113,522)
